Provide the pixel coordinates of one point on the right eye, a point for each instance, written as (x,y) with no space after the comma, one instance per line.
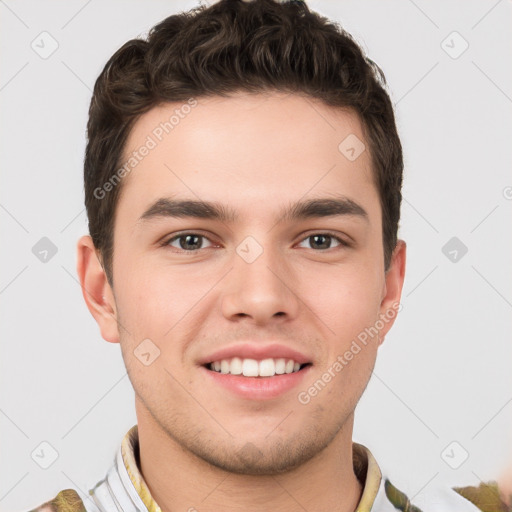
(189,242)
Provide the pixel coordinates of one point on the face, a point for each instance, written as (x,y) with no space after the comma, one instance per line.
(285,264)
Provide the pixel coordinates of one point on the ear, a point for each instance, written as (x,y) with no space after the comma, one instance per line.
(96,290)
(392,289)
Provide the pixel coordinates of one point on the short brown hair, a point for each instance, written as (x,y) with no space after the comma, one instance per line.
(230,46)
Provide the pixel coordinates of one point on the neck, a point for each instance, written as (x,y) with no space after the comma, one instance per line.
(179,480)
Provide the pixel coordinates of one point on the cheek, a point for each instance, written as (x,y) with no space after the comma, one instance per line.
(158,301)
(346,298)
(349,307)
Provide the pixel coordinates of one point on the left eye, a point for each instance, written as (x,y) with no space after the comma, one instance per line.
(188,241)
(323,240)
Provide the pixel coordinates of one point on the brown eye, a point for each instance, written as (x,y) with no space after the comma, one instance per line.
(187,241)
(323,241)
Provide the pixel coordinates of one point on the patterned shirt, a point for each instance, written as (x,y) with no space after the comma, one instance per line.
(124,489)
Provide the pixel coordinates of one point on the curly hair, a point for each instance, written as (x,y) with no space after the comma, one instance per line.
(235,45)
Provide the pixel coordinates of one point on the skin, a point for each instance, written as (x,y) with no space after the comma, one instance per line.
(255,154)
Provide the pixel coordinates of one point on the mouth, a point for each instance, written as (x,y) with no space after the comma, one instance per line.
(254,368)
(256,371)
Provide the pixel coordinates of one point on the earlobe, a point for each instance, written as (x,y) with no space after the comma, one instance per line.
(96,290)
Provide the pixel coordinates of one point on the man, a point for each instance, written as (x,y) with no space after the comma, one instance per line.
(243,185)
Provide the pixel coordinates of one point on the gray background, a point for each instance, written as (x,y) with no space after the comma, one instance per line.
(443,373)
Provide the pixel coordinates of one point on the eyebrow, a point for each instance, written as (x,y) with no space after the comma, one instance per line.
(301,210)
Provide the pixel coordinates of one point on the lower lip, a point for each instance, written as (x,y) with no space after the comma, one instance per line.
(258,388)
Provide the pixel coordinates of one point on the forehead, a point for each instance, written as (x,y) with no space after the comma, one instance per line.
(246,150)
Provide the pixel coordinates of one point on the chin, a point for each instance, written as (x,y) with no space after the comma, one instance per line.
(264,457)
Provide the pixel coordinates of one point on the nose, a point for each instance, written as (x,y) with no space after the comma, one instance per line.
(264,290)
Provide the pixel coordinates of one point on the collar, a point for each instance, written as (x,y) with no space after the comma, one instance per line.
(365,467)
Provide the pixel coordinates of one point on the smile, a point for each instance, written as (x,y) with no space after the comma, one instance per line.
(253,368)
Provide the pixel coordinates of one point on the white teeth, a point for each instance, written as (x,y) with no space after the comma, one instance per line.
(236,366)
(280,366)
(224,366)
(253,368)
(267,368)
(250,368)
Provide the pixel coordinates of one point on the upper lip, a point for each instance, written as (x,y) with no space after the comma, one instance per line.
(259,352)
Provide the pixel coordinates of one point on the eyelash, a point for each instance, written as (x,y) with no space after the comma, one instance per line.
(167,242)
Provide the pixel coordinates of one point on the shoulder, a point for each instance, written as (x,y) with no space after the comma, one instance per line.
(486,498)
(67,500)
